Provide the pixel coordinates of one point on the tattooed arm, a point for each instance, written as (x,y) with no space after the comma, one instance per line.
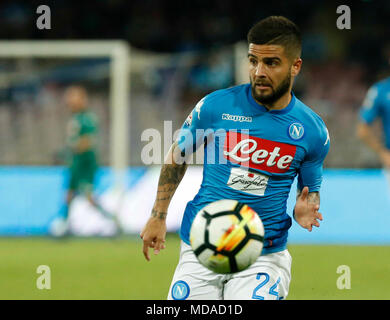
(172,173)
(306,209)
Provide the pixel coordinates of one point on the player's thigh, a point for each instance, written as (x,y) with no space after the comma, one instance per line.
(83,178)
(267,279)
(87,170)
(74,178)
(192,281)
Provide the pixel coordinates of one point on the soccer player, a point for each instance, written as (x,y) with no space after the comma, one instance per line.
(82,130)
(257,132)
(377,105)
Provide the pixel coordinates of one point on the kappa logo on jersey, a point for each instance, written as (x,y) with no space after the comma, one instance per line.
(296,131)
(248,182)
(226,116)
(257,153)
(180,290)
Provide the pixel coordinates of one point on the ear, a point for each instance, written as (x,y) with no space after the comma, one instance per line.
(296,67)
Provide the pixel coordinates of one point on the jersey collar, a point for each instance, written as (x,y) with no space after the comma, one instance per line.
(260,107)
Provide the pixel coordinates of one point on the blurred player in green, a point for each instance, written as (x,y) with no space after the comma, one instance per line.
(82,132)
(81,143)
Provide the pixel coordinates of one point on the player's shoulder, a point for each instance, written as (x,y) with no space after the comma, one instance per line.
(308,114)
(384,83)
(225,94)
(89,117)
(375,93)
(218,100)
(91,114)
(311,120)
(379,87)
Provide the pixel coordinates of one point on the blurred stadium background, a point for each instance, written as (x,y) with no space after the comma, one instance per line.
(176,55)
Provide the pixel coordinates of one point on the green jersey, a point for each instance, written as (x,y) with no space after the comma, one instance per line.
(83,165)
(81,124)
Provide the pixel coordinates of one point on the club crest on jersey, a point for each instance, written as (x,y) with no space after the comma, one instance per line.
(180,290)
(253,152)
(296,131)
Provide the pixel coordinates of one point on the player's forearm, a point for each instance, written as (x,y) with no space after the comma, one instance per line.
(172,173)
(365,134)
(83,144)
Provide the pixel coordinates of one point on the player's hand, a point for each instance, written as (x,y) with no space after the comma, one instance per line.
(153,236)
(306,212)
(82,145)
(385,158)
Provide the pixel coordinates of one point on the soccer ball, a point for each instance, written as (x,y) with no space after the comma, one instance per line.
(227,236)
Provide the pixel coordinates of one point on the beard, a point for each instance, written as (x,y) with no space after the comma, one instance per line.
(275,95)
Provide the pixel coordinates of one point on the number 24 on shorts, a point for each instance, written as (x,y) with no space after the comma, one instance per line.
(272,290)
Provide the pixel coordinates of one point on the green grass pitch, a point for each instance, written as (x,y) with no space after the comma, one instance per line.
(116,269)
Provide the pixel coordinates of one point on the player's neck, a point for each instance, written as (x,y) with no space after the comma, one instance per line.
(281,103)
(78,111)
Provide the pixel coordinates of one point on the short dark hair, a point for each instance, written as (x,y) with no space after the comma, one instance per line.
(277,30)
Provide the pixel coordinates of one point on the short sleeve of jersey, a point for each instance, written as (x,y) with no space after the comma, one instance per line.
(196,127)
(310,172)
(371,105)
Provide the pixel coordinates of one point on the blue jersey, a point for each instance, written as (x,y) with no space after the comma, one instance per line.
(377,104)
(252,155)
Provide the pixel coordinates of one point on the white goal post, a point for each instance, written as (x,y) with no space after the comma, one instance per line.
(118,51)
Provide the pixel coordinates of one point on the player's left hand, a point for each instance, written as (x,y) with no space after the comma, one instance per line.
(306,211)
(153,236)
